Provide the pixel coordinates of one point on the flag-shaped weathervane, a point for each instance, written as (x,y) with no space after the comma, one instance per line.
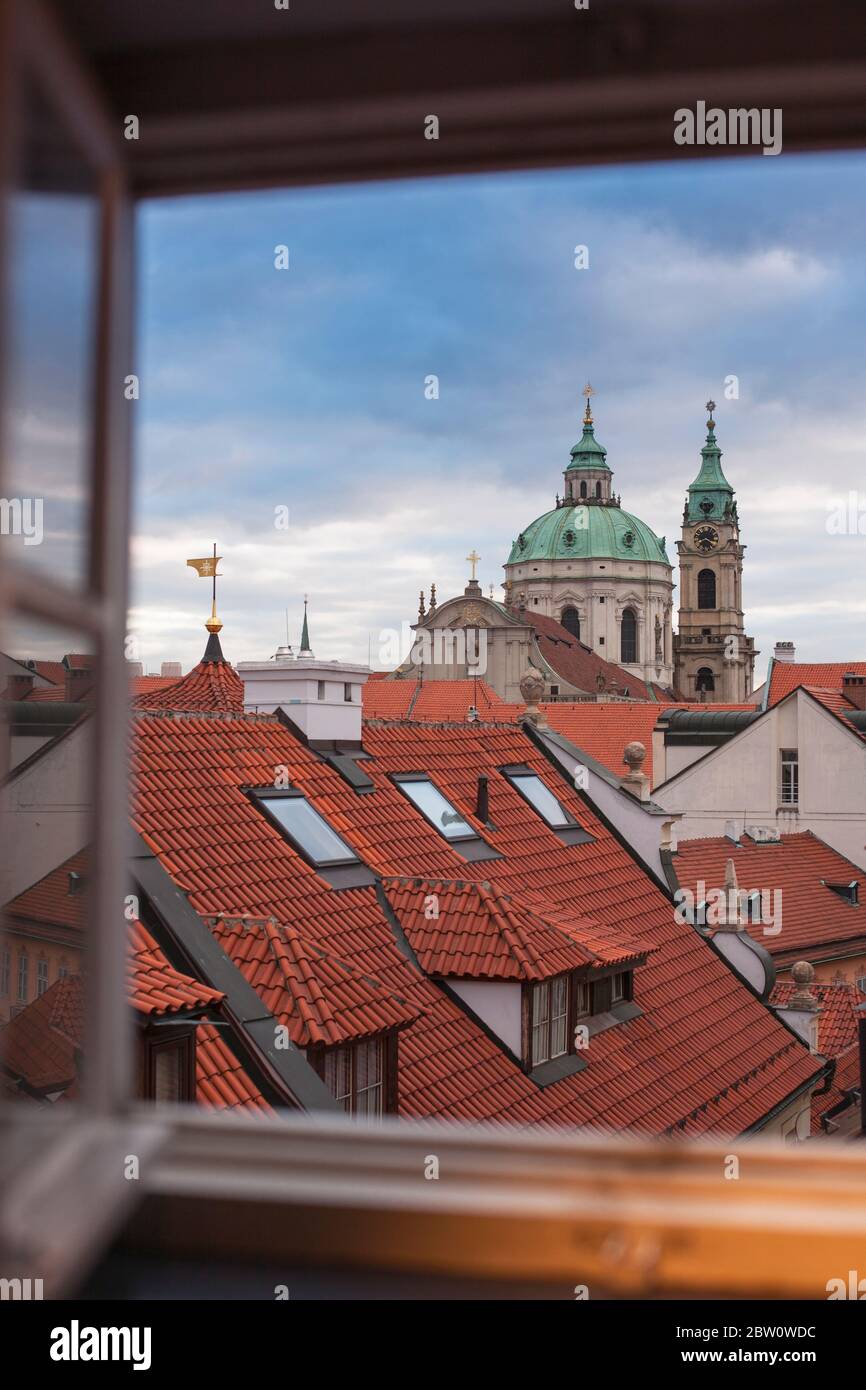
(206,568)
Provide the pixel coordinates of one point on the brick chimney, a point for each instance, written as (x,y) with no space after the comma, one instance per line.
(18,686)
(854,689)
(77,685)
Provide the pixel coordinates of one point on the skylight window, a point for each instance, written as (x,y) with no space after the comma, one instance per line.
(437,809)
(538,795)
(310,831)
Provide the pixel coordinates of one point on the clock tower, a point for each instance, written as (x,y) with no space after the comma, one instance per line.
(714,659)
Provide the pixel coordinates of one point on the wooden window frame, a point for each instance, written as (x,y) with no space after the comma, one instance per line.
(181,1040)
(388,1069)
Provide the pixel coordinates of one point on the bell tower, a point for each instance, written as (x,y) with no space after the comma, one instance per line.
(714,659)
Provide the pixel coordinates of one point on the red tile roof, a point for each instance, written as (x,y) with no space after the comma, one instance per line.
(40,1044)
(478,932)
(827,675)
(435,701)
(53,671)
(318,997)
(211,685)
(148,685)
(49,899)
(839,1016)
(815,920)
(847,1079)
(580,665)
(155,987)
(603,729)
(708,1057)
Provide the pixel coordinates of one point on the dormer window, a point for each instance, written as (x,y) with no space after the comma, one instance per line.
(549,1020)
(355,1074)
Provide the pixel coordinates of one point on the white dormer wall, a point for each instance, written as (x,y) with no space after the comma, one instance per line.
(498,1004)
(293,685)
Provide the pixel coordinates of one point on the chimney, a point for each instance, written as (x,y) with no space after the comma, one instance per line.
(784,651)
(635,781)
(482,800)
(171,668)
(17,687)
(78,682)
(134,668)
(854,689)
(323,699)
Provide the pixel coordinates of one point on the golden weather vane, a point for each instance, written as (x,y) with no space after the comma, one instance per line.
(206,568)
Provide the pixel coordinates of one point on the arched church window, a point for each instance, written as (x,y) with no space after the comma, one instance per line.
(583,489)
(598,489)
(570,619)
(628,640)
(706,589)
(705,681)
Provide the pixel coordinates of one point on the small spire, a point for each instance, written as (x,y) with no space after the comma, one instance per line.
(432,598)
(587,414)
(422,611)
(305,634)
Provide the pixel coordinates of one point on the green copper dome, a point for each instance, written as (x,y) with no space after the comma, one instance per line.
(588,532)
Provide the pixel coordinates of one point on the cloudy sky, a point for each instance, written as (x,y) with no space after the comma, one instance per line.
(303,388)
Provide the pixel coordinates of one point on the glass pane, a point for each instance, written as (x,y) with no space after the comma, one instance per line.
(543,800)
(311,830)
(437,809)
(47,433)
(46,679)
(166,1074)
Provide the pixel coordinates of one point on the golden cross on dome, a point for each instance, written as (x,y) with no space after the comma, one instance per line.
(587,414)
(473,560)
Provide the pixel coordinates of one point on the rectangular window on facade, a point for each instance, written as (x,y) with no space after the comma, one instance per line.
(347,692)
(321,690)
(789,787)
(582,998)
(5,971)
(23,977)
(617,989)
(549,1019)
(355,1076)
(41,976)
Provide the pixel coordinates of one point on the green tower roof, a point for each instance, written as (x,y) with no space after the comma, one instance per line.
(587,452)
(711,497)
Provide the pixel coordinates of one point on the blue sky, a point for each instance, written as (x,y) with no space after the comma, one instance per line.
(304,388)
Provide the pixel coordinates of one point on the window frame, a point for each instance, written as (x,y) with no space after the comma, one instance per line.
(406,779)
(791,766)
(633,633)
(262,795)
(387,1048)
(514,774)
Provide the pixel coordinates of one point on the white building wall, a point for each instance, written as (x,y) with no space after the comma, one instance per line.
(740,780)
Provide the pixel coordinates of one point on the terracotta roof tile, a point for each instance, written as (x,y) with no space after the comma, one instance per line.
(827,675)
(602,729)
(839,1016)
(705,1057)
(478,932)
(814,917)
(211,685)
(320,998)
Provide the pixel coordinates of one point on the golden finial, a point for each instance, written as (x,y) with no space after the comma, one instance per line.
(587,414)
(206,568)
(473,560)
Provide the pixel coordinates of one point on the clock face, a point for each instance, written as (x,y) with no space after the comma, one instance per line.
(706,538)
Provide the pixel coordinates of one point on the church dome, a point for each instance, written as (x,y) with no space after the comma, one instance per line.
(588,532)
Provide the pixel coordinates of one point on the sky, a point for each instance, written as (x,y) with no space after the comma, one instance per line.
(301,391)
